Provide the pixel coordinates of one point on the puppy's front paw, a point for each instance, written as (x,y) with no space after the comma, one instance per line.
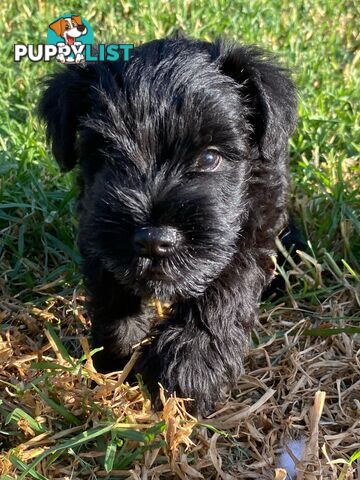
(201,392)
(184,373)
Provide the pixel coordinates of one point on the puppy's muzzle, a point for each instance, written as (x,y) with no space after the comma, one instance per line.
(156,241)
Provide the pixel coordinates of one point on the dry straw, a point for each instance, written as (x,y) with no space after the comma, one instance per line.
(298,386)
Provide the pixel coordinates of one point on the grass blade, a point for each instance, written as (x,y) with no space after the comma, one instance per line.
(57,408)
(59,344)
(19,464)
(19,414)
(328,332)
(80,439)
(110,455)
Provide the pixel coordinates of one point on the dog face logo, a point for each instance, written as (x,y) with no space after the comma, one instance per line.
(69,28)
(70,32)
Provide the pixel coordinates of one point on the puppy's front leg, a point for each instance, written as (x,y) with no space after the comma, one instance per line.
(199,352)
(119,318)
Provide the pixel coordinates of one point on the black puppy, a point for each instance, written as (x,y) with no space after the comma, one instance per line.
(183,161)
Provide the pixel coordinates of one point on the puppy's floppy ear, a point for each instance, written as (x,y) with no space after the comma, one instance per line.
(65,99)
(269,92)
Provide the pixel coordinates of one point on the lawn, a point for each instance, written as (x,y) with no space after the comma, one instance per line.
(61,419)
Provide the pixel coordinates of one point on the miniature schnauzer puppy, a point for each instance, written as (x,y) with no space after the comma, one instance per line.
(182,154)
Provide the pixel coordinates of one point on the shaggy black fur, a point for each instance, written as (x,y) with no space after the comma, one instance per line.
(183,158)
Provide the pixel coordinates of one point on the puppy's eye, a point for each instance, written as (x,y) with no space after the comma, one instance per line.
(208,161)
(67,27)
(73,24)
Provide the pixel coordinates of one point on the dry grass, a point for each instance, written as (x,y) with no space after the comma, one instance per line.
(300,384)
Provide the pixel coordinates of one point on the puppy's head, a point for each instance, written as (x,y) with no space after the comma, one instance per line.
(166,144)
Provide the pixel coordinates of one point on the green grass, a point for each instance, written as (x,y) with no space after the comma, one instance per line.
(316,38)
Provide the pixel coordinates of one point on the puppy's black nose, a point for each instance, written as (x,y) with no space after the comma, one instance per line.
(81,28)
(156,241)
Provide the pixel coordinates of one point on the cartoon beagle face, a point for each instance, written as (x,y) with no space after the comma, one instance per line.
(69,28)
